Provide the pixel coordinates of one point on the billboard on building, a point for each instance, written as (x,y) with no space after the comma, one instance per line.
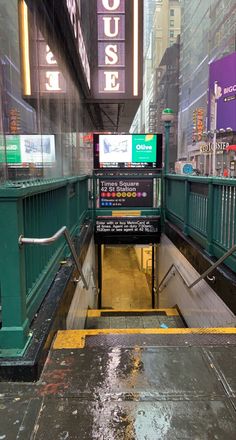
(223,72)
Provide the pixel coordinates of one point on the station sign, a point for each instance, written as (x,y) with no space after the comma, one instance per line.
(125,193)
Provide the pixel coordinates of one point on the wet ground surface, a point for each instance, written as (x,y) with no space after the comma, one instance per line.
(126,393)
(134,322)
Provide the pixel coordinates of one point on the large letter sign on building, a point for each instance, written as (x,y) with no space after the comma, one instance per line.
(119,47)
(111,46)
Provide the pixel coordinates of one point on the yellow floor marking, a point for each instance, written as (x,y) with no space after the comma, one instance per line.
(72,339)
(93,313)
(126,213)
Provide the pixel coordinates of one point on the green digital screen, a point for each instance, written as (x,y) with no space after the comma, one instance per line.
(143,148)
(11,144)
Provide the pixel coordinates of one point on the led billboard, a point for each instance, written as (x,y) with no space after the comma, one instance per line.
(28,149)
(223,72)
(127,151)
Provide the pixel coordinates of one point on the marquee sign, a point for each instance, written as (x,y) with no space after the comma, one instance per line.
(119,36)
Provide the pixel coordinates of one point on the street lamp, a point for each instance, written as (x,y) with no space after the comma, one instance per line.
(167,117)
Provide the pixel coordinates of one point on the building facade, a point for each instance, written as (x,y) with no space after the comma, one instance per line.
(208,33)
(160,86)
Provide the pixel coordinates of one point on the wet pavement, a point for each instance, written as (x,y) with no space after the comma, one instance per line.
(126,393)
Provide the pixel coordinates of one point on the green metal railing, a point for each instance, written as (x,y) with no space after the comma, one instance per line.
(205,209)
(33,209)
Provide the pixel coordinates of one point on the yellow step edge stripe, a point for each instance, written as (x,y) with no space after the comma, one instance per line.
(72,339)
(93,313)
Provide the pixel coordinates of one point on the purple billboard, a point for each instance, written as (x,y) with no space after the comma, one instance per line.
(222,89)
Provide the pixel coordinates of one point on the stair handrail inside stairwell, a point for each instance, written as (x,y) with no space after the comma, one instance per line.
(201,277)
(63,231)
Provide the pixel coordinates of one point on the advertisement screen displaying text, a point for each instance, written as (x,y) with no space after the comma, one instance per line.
(22,150)
(127,151)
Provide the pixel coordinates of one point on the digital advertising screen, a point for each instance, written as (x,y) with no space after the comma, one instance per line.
(223,73)
(22,150)
(127,151)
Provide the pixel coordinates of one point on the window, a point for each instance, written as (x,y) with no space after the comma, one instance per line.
(172,12)
(172,23)
(172,34)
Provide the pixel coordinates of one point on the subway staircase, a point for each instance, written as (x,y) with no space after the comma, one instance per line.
(134,319)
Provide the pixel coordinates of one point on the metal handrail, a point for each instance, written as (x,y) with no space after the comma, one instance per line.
(204,275)
(63,231)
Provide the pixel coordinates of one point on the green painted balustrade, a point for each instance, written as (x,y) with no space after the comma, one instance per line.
(205,209)
(33,209)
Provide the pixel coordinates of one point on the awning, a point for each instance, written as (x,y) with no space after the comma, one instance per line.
(231,148)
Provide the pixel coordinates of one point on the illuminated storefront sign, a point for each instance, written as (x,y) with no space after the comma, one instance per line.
(113,35)
(50,77)
(208,148)
(198,125)
(111,46)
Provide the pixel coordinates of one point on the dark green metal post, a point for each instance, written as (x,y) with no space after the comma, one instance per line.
(167,117)
(15,326)
(210,213)
(167,141)
(186,206)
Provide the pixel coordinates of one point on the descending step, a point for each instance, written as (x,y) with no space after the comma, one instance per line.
(121,319)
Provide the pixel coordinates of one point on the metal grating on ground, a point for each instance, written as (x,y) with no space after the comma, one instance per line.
(136,321)
(130,340)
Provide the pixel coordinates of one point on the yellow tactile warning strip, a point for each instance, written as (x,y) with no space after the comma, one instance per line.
(93,313)
(126,213)
(72,339)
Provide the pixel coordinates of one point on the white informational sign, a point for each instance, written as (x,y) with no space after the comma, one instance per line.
(37,148)
(115,148)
